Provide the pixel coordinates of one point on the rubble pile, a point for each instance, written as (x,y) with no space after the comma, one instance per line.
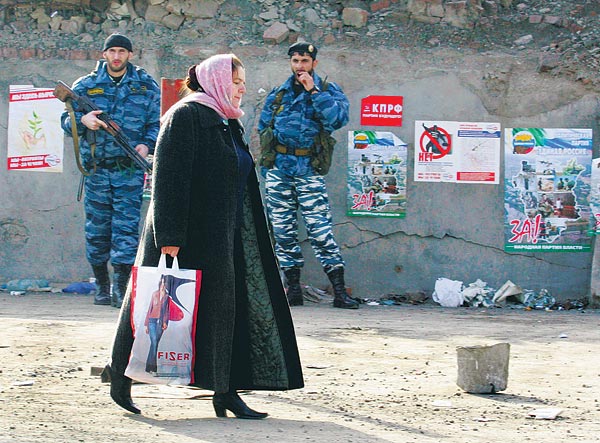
(565,32)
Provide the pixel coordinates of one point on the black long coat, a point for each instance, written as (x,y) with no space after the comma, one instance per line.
(244,344)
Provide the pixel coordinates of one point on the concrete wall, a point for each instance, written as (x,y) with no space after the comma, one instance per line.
(451,230)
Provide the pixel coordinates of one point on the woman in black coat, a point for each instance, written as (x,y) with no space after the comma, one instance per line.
(206,209)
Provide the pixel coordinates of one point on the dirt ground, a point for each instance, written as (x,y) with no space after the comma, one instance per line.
(379,374)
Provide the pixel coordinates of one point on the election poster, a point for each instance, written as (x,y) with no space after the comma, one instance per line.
(547,189)
(35,137)
(376,174)
(457,152)
(595,197)
(381,110)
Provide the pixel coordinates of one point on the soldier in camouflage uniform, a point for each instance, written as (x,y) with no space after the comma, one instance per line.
(298,111)
(113,191)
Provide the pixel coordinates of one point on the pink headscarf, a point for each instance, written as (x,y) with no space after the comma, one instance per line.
(216,77)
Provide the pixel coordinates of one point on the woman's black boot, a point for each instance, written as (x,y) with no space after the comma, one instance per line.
(120,391)
(233,402)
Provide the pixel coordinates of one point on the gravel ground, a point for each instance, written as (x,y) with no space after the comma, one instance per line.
(379,374)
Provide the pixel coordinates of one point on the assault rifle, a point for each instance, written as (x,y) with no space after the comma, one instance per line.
(66,94)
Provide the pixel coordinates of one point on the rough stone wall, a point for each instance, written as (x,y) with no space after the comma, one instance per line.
(280,18)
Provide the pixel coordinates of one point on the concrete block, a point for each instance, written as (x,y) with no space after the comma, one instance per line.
(483,369)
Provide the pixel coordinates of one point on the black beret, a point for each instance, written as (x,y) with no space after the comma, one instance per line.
(118,41)
(303,48)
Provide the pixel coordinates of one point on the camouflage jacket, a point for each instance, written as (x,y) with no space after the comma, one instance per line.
(301,117)
(134,104)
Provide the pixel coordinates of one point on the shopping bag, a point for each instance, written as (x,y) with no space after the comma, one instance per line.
(163,319)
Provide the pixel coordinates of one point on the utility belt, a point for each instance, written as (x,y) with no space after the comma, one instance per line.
(110,163)
(298,152)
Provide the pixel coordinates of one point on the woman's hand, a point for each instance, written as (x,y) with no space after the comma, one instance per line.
(170,250)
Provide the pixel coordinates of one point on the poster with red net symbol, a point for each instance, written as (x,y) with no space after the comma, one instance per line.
(457,152)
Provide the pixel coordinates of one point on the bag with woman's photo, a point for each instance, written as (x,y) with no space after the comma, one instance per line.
(163,318)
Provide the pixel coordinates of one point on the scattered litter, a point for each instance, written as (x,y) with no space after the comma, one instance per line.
(442,403)
(572,304)
(541,300)
(545,414)
(453,293)
(563,335)
(448,293)
(23,383)
(17,292)
(413,298)
(508,289)
(26,284)
(478,294)
(82,287)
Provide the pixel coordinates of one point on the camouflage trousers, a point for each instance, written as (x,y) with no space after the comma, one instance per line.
(113,201)
(285,194)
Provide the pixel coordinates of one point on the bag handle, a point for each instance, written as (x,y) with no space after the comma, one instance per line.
(162,263)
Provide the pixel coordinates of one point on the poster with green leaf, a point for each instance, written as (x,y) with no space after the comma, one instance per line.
(35,137)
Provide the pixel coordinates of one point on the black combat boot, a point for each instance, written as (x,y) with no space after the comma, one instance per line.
(120,280)
(294,290)
(341,298)
(102,296)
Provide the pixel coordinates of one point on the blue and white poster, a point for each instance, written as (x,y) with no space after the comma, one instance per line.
(376,174)
(547,189)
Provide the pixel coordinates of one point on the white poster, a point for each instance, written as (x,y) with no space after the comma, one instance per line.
(35,137)
(457,152)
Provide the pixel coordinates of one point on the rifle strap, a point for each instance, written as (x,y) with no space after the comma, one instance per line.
(85,173)
(276,107)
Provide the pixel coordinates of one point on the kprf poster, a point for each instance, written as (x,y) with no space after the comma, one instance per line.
(376,174)
(457,152)
(547,189)
(381,110)
(35,137)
